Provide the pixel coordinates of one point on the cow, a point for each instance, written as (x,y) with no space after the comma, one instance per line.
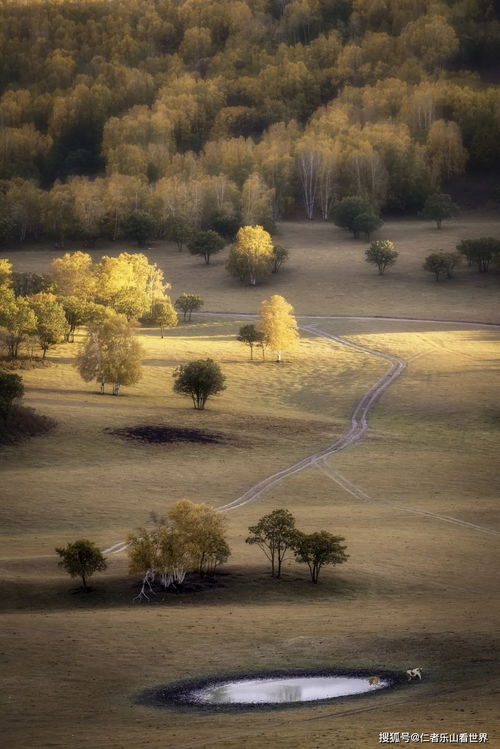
(414,673)
(373,680)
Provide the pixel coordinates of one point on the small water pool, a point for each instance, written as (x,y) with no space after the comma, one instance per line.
(272,689)
(284,690)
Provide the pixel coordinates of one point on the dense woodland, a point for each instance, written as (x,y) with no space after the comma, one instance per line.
(154,118)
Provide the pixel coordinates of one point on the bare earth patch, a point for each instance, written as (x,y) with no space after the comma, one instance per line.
(163,434)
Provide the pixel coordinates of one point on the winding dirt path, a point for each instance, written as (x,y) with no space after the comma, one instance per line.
(359,422)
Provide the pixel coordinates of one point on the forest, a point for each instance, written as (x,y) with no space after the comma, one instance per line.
(152,119)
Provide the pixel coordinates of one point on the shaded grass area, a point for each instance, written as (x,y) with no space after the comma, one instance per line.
(22,423)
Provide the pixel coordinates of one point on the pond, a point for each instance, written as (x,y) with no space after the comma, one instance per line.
(284,690)
(272,689)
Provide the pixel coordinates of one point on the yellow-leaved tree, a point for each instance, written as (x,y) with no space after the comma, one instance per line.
(278,325)
(251,255)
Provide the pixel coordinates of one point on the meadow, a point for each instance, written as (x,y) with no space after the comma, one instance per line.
(421,585)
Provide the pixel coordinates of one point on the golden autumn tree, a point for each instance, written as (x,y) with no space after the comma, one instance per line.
(73,275)
(278,325)
(251,255)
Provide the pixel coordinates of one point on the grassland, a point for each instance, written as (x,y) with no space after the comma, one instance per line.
(418,589)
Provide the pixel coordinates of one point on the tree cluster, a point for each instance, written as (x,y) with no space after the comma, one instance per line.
(191,539)
(107,297)
(276,535)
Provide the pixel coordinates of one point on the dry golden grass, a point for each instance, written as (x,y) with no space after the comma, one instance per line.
(417,591)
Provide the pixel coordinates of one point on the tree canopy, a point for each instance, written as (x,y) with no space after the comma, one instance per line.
(278,325)
(319,549)
(199,380)
(82,559)
(275,534)
(110,354)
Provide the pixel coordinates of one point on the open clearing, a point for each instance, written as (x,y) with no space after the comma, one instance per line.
(416,591)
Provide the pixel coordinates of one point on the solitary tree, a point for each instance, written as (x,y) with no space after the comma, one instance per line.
(199,380)
(163,314)
(252,337)
(188,303)
(319,549)
(382,254)
(354,213)
(206,244)
(480,251)
(438,207)
(275,534)
(278,325)
(251,255)
(366,223)
(441,263)
(280,255)
(81,559)
(11,387)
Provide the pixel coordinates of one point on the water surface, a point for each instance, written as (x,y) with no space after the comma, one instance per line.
(286,689)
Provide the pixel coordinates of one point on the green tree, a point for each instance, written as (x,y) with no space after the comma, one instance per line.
(482,251)
(366,223)
(206,244)
(79,312)
(278,325)
(139,225)
(436,263)
(348,211)
(226,225)
(275,534)
(199,380)
(82,559)
(438,207)
(51,323)
(280,255)
(188,303)
(163,314)
(382,254)
(319,549)
(110,353)
(178,229)
(11,387)
(252,337)
(26,283)
(18,319)
(251,255)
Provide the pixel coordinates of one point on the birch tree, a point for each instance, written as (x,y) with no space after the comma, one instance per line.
(278,325)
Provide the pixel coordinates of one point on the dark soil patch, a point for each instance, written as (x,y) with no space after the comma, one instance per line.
(22,423)
(164,434)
